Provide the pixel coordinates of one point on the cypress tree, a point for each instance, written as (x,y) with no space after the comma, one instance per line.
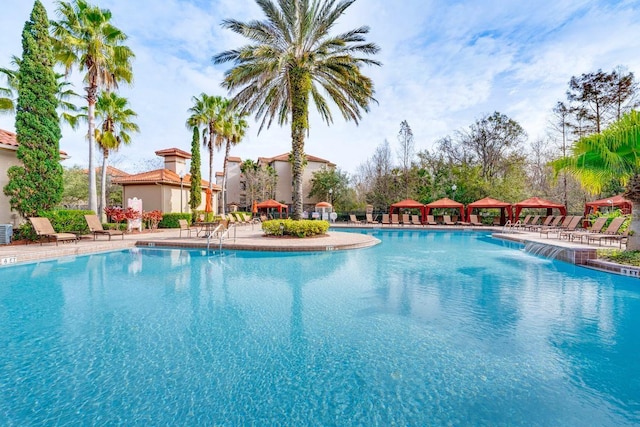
(37,184)
(195,196)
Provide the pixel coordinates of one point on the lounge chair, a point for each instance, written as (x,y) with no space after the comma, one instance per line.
(95,226)
(354,220)
(184,226)
(395,220)
(546,223)
(406,219)
(596,227)
(570,223)
(431,220)
(415,220)
(609,233)
(533,223)
(446,220)
(385,219)
(473,220)
(370,219)
(44,230)
(524,223)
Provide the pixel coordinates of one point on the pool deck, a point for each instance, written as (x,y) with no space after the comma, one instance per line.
(251,237)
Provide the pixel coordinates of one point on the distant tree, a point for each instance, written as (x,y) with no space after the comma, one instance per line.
(37,184)
(114,130)
(331,185)
(292,61)
(560,124)
(234,127)
(195,192)
(85,36)
(406,154)
(376,179)
(207,114)
(260,182)
(76,191)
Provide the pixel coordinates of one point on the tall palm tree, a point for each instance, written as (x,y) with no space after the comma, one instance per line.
(234,127)
(8,94)
(597,159)
(293,57)
(84,36)
(115,129)
(207,113)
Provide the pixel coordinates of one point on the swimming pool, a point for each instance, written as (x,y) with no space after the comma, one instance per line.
(427,328)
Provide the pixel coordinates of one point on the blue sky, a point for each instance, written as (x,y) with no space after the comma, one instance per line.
(445,64)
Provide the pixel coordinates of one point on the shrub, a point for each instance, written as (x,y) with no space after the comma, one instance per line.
(170,220)
(66,221)
(290,227)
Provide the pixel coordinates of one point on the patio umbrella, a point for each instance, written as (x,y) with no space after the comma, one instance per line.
(208,206)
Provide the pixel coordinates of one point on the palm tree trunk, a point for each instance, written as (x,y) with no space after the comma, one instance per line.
(224,176)
(211,134)
(91,118)
(103,185)
(300,86)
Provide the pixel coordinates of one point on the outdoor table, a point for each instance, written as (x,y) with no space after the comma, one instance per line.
(206,227)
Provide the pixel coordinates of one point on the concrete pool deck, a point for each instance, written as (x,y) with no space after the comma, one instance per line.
(251,237)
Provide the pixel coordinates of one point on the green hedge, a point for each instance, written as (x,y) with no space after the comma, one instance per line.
(66,221)
(170,220)
(290,227)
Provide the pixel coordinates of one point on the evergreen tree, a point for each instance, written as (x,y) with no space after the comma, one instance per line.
(195,195)
(37,184)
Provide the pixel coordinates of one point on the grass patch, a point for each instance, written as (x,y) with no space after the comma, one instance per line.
(620,256)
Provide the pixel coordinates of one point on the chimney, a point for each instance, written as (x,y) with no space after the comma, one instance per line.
(175,160)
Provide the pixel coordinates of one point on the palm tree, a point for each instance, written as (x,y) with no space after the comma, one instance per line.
(116,125)
(8,94)
(84,36)
(293,57)
(613,154)
(207,112)
(234,127)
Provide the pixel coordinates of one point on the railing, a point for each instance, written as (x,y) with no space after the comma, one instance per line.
(222,233)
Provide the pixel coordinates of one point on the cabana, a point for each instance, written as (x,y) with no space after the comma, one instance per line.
(506,210)
(538,203)
(407,204)
(272,204)
(444,204)
(612,202)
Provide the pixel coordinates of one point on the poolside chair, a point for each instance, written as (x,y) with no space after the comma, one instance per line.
(612,230)
(533,223)
(184,226)
(354,220)
(473,220)
(406,219)
(546,223)
(446,220)
(415,220)
(44,230)
(573,222)
(385,219)
(596,227)
(395,219)
(524,223)
(370,219)
(431,220)
(95,226)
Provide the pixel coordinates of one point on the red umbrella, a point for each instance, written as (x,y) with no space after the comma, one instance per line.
(208,206)
(254,207)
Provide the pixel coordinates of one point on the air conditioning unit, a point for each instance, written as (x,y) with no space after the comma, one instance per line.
(6,231)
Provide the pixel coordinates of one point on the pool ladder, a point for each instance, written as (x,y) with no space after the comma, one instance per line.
(222,233)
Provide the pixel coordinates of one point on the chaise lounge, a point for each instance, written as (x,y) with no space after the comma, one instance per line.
(95,226)
(44,230)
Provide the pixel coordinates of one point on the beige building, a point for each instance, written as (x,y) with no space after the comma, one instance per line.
(8,150)
(284,189)
(167,189)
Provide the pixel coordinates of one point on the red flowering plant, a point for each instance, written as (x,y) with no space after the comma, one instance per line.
(152,219)
(118,215)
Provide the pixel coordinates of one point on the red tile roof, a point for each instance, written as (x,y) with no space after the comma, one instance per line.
(285,158)
(234,159)
(159,176)
(173,152)
(8,138)
(111,171)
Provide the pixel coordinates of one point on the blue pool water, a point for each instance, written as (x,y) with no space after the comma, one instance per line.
(427,328)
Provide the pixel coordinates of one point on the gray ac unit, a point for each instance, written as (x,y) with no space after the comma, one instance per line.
(6,231)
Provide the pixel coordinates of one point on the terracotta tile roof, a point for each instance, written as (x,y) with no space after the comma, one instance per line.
(173,152)
(111,171)
(8,138)
(285,158)
(234,159)
(159,176)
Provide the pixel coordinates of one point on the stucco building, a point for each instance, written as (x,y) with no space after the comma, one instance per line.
(165,189)
(236,184)
(8,150)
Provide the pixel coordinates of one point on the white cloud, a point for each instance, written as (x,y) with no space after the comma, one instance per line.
(445,64)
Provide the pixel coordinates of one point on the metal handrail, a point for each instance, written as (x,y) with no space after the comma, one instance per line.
(222,235)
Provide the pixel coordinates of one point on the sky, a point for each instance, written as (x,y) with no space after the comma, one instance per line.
(446,63)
